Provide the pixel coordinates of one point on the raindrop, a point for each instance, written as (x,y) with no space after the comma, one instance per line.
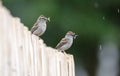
(96,5)
(118,10)
(103,17)
(100,47)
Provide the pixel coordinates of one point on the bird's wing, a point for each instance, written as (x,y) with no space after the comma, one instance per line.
(62,42)
(34,27)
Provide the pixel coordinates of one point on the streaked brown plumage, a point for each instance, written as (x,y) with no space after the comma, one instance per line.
(66,42)
(40,26)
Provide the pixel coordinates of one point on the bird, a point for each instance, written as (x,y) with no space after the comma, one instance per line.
(40,25)
(66,42)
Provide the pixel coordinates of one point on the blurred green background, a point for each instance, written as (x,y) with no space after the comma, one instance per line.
(92,20)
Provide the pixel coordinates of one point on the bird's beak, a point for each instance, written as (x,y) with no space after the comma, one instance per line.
(75,36)
(48,19)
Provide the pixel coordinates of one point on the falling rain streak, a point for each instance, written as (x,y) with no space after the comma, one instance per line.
(96,5)
(100,47)
(118,10)
(103,17)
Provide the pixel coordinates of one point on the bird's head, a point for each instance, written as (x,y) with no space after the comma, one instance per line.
(43,18)
(71,34)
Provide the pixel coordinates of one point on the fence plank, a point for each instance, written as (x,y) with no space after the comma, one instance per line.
(24,54)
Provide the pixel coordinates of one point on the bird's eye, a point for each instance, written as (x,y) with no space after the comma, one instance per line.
(43,18)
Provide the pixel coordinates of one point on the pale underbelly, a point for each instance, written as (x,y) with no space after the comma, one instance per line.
(66,46)
(39,31)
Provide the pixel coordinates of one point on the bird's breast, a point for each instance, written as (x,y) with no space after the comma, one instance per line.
(67,45)
(42,26)
(70,42)
(40,30)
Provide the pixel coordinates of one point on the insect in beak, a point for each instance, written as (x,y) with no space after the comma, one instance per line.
(48,19)
(74,36)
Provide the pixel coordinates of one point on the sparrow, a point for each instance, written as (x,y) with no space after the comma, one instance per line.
(66,42)
(40,26)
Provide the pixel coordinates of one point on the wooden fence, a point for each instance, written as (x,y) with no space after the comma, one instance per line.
(24,54)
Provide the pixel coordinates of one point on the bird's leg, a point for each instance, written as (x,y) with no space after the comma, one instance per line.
(39,38)
(63,52)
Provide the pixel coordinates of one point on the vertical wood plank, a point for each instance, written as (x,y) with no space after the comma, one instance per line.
(24,54)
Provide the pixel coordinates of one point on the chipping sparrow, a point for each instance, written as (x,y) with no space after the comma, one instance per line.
(66,42)
(40,26)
